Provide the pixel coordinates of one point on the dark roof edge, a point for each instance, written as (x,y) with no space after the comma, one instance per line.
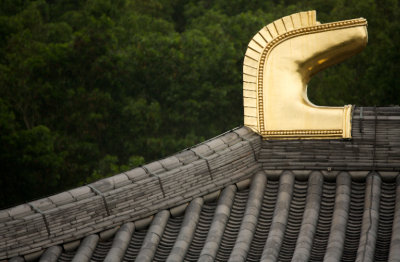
(129,196)
(194,172)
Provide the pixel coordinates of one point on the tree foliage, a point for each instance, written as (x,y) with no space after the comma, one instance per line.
(91,88)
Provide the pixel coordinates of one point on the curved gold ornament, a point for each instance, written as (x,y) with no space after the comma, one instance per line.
(279,62)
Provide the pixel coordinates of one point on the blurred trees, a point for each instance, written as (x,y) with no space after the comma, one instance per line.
(92,88)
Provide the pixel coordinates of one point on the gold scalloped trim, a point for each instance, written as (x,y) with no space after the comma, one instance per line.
(303,132)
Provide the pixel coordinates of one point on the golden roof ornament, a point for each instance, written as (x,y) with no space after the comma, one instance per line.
(279,62)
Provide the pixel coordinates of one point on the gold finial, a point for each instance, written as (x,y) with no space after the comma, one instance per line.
(279,62)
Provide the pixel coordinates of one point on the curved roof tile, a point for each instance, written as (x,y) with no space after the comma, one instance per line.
(235,198)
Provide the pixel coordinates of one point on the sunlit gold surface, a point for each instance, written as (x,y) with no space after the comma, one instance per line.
(279,62)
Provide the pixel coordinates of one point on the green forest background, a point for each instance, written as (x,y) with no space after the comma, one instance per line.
(90,88)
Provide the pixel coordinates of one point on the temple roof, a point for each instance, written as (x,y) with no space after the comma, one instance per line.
(234,197)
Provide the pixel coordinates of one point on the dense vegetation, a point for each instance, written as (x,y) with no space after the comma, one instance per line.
(89,88)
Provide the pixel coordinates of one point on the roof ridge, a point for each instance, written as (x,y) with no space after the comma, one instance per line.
(130,196)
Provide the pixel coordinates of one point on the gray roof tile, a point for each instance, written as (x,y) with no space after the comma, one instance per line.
(136,174)
(203,150)
(81,193)
(171,162)
(395,240)
(51,254)
(120,243)
(153,236)
(242,132)
(178,210)
(107,234)
(20,211)
(249,222)
(85,251)
(17,259)
(216,144)
(4,216)
(218,224)
(121,180)
(211,196)
(313,193)
(318,199)
(310,218)
(186,232)
(231,138)
(43,204)
(70,246)
(103,185)
(186,157)
(62,198)
(366,248)
(336,239)
(154,167)
(280,220)
(35,253)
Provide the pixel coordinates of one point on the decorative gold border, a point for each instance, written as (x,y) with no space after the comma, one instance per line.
(260,80)
(303,132)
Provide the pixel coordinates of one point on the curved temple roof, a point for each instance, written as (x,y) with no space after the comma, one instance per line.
(234,197)
(237,197)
